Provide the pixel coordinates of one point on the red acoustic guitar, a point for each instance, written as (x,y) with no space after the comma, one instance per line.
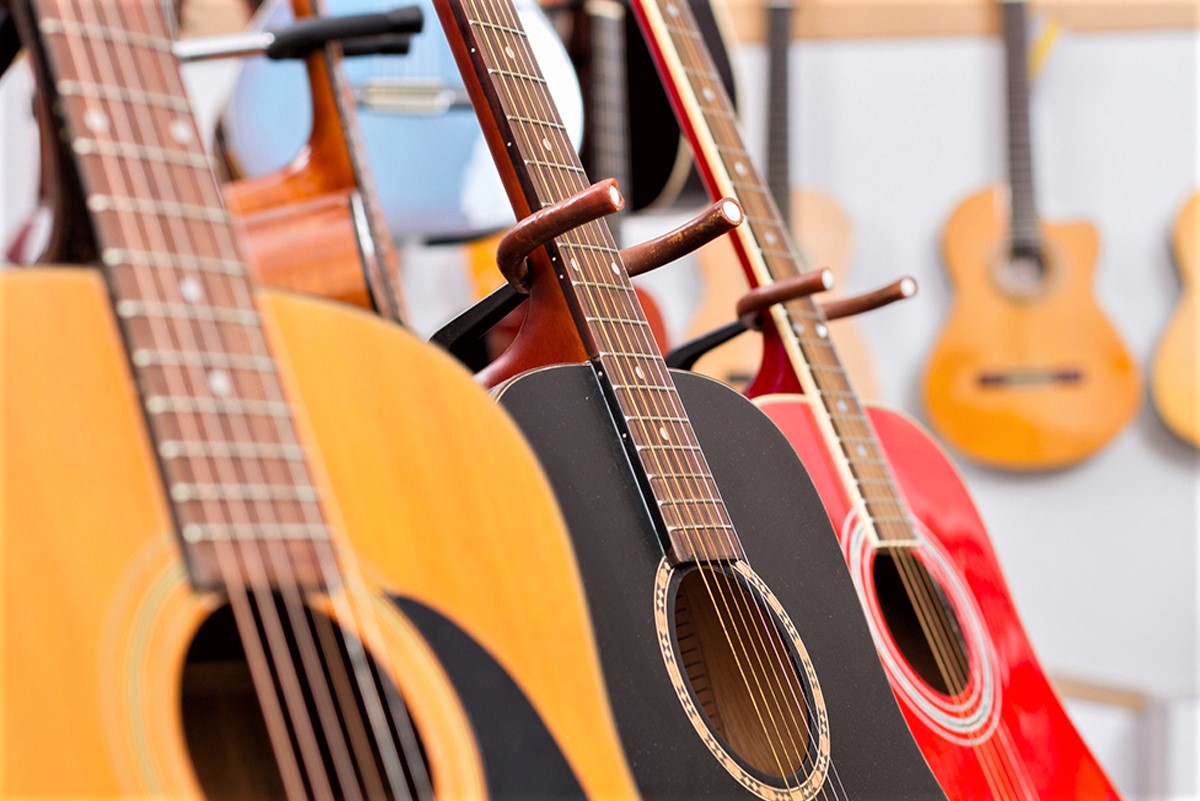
(959,662)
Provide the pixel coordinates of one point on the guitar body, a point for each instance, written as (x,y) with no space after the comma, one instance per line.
(1006,735)
(824,235)
(1032,379)
(1175,376)
(456,195)
(481,617)
(563,414)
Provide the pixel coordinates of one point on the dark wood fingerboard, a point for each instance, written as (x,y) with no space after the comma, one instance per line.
(1025,234)
(779,42)
(768,254)
(234,468)
(531,145)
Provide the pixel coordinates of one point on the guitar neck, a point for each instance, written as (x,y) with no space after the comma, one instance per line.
(768,255)
(779,40)
(231,459)
(380,262)
(609,99)
(1025,234)
(541,167)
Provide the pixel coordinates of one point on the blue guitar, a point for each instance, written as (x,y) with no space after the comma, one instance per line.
(436,178)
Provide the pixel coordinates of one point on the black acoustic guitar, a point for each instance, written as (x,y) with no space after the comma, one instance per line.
(725,682)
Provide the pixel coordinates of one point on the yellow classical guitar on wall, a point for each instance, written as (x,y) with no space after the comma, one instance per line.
(1027,373)
(1175,376)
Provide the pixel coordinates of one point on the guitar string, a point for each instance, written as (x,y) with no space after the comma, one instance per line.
(255,655)
(200,191)
(181,239)
(541,111)
(765,256)
(694,42)
(346,605)
(293,605)
(594,243)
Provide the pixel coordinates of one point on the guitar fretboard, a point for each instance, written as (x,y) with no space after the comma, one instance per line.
(233,465)
(770,256)
(779,41)
(593,277)
(1025,234)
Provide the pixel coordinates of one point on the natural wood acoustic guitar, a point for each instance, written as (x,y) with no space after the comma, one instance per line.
(1027,372)
(1175,376)
(254,545)
(819,227)
(960,664)
(725,682)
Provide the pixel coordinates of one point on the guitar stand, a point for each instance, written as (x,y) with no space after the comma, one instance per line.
(462,335)
(755,303)
(386,33)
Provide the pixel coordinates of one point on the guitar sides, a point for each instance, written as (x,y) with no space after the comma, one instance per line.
(96,613)
(1029,423)
(1175,376)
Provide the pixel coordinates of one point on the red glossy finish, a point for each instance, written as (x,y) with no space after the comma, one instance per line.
(1006,735)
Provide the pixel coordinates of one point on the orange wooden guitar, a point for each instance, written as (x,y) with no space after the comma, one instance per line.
(1028,373)
(250,544)
(1175,376)
(822,231)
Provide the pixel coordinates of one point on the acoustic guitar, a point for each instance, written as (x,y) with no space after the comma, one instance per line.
(943,622)
(1027,373)
(1175,376)
(250,545)
(819,226)
(727,680)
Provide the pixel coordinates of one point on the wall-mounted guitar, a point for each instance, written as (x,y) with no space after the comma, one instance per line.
(1175,379)
(177,539)
(671,493)
(1028,373)
(410,104)
(819,226)
(960,664)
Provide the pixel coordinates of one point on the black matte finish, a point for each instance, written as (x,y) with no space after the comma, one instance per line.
(788,541)
(521,761)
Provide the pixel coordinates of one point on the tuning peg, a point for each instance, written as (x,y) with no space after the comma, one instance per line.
(757,300)
(717,220)
(598,200)
(902,289)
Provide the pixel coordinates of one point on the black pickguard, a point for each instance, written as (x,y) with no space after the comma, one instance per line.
(788,541)
(521,761)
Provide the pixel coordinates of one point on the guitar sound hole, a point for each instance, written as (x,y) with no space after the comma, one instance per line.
(742,673)
(226,732)
(935,650)
(1023,272)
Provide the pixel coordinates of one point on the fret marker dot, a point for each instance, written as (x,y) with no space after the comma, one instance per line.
(861,450)
(190,289)
(181,131)
(672,9)
(842,406)
(95,120)
(821,330)
(798,328)
(219,382)
(739,167)
(545,142)
(575,264)
(509,52)
(637,370)
(708,93)
(770,237)
(616,269)
(662,432)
